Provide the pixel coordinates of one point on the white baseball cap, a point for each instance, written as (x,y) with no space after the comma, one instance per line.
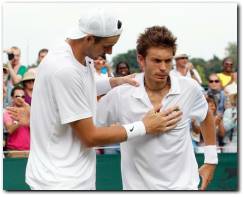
(98,23)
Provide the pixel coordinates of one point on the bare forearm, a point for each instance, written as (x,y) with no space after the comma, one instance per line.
(108,135)
(208,129)
(195,128)
(113,82)
(15,78)
(92,136)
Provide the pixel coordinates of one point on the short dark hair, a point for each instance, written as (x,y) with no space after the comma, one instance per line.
(227,58)
(17,87)
(210,98)
(98,39)
(121,62)
(42,51)
(155,36)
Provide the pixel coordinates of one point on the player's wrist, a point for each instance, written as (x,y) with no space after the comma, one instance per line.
(210,154)
(135,129)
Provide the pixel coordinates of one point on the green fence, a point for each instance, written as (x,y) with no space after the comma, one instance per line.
(109,176)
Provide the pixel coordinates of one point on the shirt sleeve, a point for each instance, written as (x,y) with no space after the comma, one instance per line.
(107,109)
(199,106)
(103,86)
(70,96)
(22,70)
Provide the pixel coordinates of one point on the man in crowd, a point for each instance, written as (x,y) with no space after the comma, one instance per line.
(226,76)
(16,70)
(41,54)
(165,161)
(185,68)
(63,110)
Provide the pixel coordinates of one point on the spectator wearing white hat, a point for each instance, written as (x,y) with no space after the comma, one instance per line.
(185,68)
(63,110)
(28,83)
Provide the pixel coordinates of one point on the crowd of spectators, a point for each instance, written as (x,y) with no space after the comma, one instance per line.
(18,82)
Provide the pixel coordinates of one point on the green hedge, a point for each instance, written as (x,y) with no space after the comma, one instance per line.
(109,177)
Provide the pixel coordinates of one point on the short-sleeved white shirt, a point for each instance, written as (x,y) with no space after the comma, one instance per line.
(64,92)
(156,162)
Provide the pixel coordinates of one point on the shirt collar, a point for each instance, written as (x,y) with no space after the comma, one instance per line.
(141,93)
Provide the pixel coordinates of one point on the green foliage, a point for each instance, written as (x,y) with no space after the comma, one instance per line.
(129,57)
(204,67)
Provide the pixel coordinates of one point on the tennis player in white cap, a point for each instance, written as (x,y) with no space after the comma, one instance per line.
(63,109)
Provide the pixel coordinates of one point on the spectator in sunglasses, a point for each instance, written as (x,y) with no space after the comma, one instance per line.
(18,134)
(215,90)
(226,76)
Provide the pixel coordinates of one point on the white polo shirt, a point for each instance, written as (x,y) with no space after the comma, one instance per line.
(64,92)
(156,162)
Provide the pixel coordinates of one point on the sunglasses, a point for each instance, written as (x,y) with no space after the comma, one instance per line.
(215,81)
(228,64)
(19,96)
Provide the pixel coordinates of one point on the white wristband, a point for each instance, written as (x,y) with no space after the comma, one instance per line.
(135,129)
(210,154)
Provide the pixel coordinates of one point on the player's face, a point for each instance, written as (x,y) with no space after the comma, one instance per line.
(104,46)
(157,64)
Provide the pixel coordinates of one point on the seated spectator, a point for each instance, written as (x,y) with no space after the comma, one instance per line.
(215,90)
(230,125)
(220,130)
(28,83)
(41,54)
(226,76)
(122,69)
(18,134)
(16,70)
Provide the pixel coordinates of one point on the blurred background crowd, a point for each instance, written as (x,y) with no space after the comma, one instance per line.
(216,77)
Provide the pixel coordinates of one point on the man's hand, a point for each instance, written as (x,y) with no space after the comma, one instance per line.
(20,114)
(159,122)
(206,172)
(130,79)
